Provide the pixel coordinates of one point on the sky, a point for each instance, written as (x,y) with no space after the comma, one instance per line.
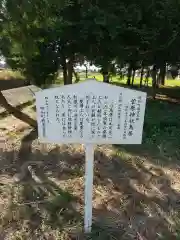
(78,67)
(2,62)
(89,66)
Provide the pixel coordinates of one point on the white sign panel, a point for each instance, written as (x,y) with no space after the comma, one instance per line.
(90,112)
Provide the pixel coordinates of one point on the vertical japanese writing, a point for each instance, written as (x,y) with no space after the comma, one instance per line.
(125,121)
(81,113)
(57,102)
(99,115)
(87,108)
(132,117)
(110,116)
(42,120)
(69,110)
(63,115)
(119,111)
(75,106)
(63,101)
(105,111)
(81,117)
(47,109)
(93,116)
(138,108)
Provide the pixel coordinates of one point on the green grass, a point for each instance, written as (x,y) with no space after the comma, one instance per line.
(161,131)
(169,83)
(116,79)
(9,74)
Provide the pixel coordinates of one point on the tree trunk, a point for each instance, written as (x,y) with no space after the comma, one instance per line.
(121,75)
(133,76)
(64,67)
(162,74)
(154,79)
(17,113)
(129,75)
(70,71)
(106,77)
(86,71)
(76,76)
(105,73)
(141,78)
(147,77)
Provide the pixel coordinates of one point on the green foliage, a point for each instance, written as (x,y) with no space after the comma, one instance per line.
(37,37)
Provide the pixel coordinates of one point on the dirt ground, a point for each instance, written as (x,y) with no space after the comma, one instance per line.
(136,195)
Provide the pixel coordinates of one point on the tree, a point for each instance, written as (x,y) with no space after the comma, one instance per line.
(36,39)
(141,74)
(40,36)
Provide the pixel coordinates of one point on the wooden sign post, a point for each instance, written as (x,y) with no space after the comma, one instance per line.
(90,113)
(89,172)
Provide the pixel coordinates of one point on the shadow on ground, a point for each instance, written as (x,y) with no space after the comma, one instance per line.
(11,83)
(163,93)
(161,134)
(136,188)
(42,188)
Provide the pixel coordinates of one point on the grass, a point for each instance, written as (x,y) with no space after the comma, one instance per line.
(116,79)
(136,188)
(9,75)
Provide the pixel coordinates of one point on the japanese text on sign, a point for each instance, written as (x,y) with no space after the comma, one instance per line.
(91,112)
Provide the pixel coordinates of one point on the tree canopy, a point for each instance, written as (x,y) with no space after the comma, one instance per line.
(39,36)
